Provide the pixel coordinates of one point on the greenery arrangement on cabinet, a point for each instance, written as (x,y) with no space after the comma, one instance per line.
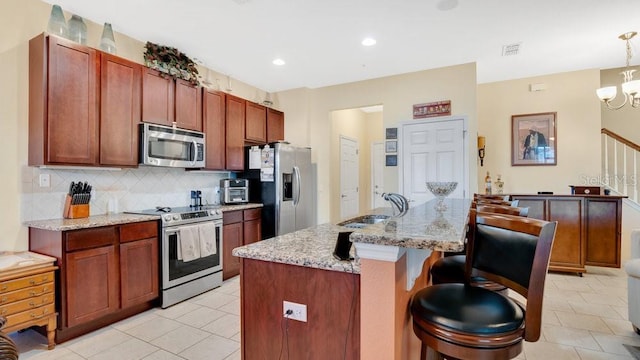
(170,61)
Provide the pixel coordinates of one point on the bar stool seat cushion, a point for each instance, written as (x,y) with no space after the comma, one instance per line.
(467,309)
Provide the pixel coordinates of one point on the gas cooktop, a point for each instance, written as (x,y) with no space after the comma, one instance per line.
(184,214)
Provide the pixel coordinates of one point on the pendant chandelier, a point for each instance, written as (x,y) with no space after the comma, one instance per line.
(630,87)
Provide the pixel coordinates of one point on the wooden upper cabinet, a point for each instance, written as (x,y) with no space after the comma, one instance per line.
(120,111)
(235,115)
(158,97)
(275,125)
(213,125)
(188,105)
(63,103)
(255,123)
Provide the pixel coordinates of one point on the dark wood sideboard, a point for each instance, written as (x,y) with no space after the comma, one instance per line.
(589,228)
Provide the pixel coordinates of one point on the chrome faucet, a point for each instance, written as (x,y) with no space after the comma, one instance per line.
(398,201)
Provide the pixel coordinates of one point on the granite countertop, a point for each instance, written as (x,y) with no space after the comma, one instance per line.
(421,228)
(114,219)
(311,247)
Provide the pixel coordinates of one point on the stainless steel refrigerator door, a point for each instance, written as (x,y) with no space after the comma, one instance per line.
(284,174)
(303,189)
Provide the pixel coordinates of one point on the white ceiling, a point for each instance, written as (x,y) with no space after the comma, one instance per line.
(320,39)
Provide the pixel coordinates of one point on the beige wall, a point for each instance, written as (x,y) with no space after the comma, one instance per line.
(397,94)
(571,95)
(364,128)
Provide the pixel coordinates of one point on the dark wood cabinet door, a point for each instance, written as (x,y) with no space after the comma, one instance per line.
(158,99)
(232,235)
(252,225)
(188,105)
(252,231)
(92,285)
(120,111)
(235,133)
(213,124)
(275,125)
(604,231)
(139,271)
(255,123)
(72,113)
(568,250)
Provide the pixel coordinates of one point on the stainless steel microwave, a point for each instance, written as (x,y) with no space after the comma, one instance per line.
(171,147)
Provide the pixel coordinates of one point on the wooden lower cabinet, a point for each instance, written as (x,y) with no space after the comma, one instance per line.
(588,232)
(332,330)
(240,227)
(107,273)
(92,284)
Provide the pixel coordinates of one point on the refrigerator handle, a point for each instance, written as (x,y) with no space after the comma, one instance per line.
(298,180)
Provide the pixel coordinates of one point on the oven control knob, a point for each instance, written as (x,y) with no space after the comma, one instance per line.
(176,217)
(167,217)
(214,212)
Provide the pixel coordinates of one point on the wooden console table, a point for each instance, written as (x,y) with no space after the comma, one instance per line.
(27,292)
(589,228)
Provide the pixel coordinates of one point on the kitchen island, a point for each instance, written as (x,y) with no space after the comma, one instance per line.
(355,309)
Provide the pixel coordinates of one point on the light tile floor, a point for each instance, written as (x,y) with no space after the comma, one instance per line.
(584,318)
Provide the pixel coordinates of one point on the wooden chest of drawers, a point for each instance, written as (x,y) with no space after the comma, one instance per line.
(27,298)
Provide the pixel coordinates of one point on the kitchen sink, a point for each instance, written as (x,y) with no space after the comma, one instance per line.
(362,221)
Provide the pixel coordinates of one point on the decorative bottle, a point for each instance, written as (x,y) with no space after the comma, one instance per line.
(57,24)
(499,185)
(107,42)
(487,184)
(77,30)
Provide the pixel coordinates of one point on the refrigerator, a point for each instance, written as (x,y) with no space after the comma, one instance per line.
(285,185)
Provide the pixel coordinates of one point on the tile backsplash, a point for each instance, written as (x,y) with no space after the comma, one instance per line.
(115,190)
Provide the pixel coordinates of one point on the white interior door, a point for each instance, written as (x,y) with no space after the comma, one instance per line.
(377,175)
(349,199)
(433,150)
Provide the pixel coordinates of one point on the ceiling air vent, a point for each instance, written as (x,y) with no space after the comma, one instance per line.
(511,49)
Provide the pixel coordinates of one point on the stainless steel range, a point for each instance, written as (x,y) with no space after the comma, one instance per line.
(191,251)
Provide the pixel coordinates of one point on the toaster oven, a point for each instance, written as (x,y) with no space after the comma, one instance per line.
(234,191)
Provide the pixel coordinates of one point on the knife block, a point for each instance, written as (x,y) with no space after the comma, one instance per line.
(75,211)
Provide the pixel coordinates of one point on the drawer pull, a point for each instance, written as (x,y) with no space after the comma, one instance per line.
(45,300)
(33,293)
(3,312)
(36,316)
(42,281)
(4,299)
(4,287)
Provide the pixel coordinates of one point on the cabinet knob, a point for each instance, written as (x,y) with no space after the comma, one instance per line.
(4,299)
(4,287)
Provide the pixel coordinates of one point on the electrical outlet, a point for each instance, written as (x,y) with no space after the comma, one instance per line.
(45,180)
(299,311)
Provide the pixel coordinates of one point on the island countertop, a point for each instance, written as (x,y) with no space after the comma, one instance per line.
(421,228)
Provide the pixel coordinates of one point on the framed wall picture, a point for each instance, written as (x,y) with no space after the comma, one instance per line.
(391,146)
(533,139)
(391,133)
(391,160)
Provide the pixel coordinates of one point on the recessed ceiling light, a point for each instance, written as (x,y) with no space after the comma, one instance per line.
(278,62)
(369,41)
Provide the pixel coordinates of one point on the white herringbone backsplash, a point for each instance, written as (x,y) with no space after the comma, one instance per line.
(131,189)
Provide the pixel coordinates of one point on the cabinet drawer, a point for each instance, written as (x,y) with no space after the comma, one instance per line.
(232,217)
(252,214)
(26,293)
(138,231)
(30,315)
(26,304)
(17,284)
(90,238)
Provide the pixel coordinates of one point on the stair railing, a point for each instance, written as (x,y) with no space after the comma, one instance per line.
(620,158)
